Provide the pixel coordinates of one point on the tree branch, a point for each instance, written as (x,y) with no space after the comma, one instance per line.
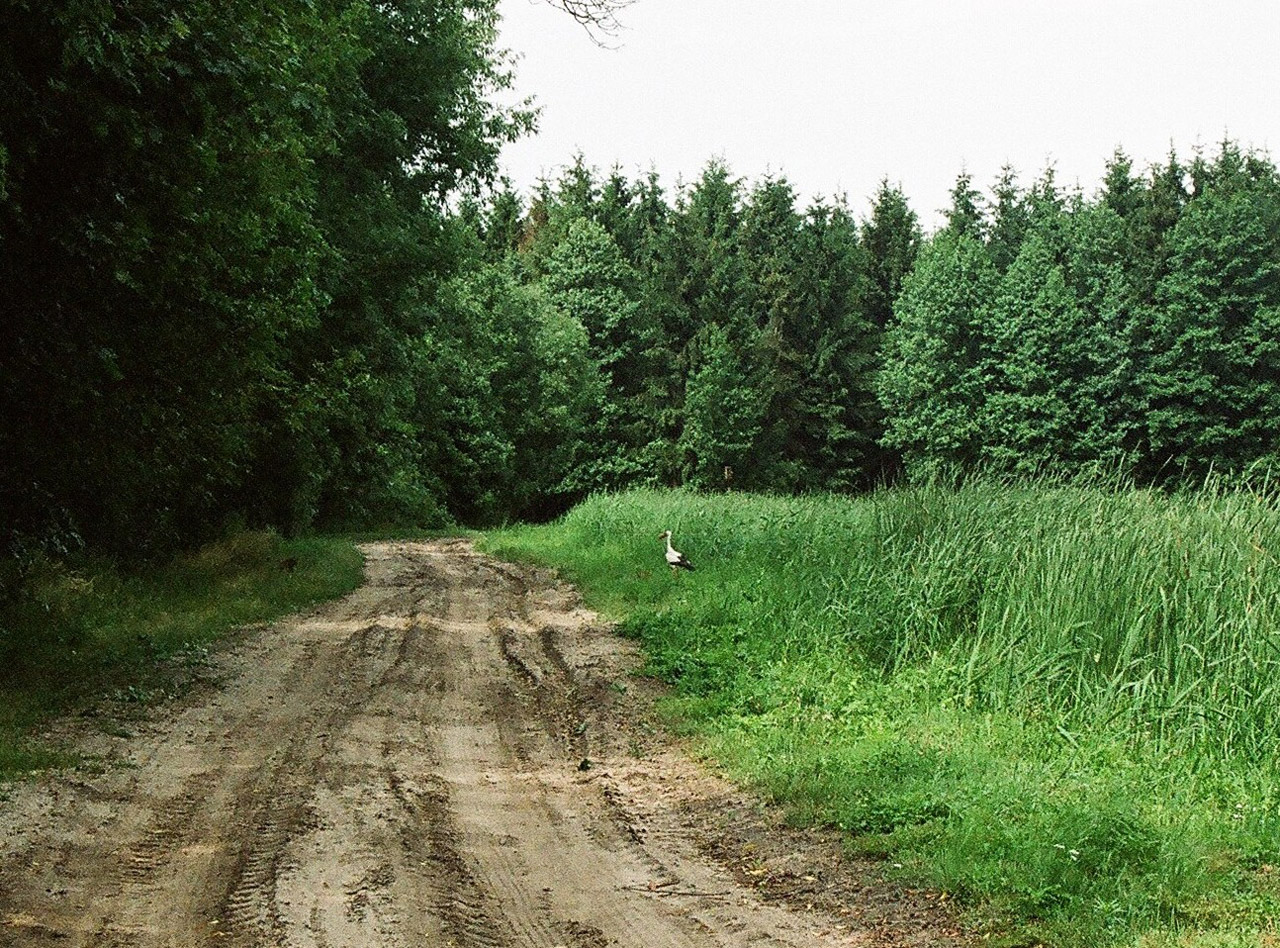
(598,17)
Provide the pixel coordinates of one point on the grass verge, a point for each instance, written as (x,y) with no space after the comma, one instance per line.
(1056,704)
(76,636)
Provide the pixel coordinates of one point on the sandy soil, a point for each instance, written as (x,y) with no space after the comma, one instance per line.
(455,754)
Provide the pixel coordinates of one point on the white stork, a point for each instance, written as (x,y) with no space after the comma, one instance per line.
(675,559)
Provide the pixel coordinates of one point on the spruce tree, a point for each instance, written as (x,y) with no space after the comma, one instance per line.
(724,416)
(891,239)
(1010,219)
(1215,334)
(840,422)
(1122,190)
(964,216)
(588,280)
(937,356)
(1099,267)
(1043,411)
(1164,198)
(615,212)
(769,237)
(706,246)
(660,271)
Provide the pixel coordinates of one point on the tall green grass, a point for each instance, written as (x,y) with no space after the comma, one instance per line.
(1055,702)
(76,635)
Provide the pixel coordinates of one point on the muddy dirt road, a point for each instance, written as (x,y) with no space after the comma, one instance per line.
(456,754)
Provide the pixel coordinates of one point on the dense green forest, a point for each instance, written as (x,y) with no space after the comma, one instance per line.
(258,269)
(224,247)
(746,342)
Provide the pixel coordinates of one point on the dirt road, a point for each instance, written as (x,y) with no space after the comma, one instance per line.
(455,754)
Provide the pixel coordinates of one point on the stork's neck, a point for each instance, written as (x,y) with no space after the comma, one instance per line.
(669,546)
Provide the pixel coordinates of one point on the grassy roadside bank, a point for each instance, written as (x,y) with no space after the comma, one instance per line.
(92,633)
(1056,704)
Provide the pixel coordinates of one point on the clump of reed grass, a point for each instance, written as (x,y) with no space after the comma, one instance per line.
(1055,700)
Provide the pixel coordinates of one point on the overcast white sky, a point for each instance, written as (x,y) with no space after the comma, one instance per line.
(838,94)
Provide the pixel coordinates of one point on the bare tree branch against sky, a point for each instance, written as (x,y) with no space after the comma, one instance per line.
(599,17)
(837,94)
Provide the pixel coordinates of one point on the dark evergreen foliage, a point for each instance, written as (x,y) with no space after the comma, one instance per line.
(1135,331)
(891,238)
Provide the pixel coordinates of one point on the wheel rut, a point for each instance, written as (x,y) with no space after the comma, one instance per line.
(456,754)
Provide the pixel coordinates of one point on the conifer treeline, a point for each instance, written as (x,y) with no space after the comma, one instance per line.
(725,337)
(1138,329)
(718,337)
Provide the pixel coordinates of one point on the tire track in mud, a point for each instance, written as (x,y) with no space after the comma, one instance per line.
(455,755)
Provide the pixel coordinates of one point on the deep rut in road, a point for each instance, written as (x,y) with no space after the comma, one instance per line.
(455,754)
